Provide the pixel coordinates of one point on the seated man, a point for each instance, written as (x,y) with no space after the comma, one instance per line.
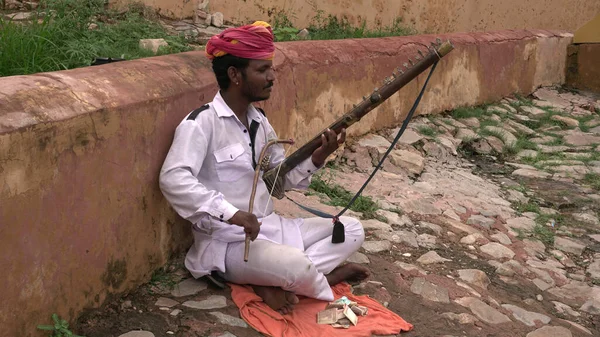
(208,176)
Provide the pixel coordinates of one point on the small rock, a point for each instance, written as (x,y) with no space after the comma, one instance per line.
(529,173)
(581,139)
(376,246)
(409,267)
(137,333)
(410,161)
(426,241)
(481,221)
(475,277)
(569,246)
(21,16)
(471,121)
(429,291)
(587,218)
(520,127)
(527,154)
(217,19)
(227,334)
(229,320)
(521,223)
(591,306)
(481,146)
(594,270)
(471,238)
(497,250)
(543,286)
(577,326)
(359,258)
(551,331)
(431,257)
(404,237)
(566,120)
(539,297)
(175,312)
(304,34)
(435,228)
(502,238)
(565,309)
(165,302)
(153,44)
(409,137)
(527,317)
(466,134)
(188,287)
(483,311)
(496,143)
(497,109)
(533,111)
(93,26)
(212,302)
(577,277)
(373,224)
(463,318)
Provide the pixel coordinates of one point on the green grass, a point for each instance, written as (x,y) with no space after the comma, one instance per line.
(331,27)
(583,120)
(62,40)
(162,279)
(339,196)
(468,112)
(527,207)
(544,234)
(427,131)
(593,179)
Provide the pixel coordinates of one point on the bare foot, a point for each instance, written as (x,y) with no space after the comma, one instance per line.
(349,272)
(277,299)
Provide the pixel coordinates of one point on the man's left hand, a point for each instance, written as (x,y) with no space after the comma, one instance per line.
(329,143)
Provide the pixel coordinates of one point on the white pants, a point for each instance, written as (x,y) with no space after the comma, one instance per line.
(300,272)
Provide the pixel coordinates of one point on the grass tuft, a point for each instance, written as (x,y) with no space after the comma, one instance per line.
(59,37)
(339,196)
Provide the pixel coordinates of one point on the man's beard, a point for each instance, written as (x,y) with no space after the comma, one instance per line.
(255,95)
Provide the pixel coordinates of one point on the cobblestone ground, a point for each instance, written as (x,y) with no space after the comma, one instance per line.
(487,226)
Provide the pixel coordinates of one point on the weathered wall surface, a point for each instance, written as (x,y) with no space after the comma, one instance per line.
(584,67)
(81,215)
(426,16)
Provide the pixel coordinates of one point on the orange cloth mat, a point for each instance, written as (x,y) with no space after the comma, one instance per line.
(303,320)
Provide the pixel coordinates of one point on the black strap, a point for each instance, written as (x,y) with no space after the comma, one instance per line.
(338,228)
(196,112)
(253,129)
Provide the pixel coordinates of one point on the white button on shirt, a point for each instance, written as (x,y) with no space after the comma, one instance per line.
(208,175)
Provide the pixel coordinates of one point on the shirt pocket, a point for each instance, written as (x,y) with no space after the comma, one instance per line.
(230,163)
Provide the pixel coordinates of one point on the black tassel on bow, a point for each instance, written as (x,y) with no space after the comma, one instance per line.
(339,234)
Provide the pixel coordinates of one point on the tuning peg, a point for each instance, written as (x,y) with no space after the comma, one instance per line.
(421,53)
(411,62)
(401,72)
(418,58)
(439,41)
(405,65)
(364,98)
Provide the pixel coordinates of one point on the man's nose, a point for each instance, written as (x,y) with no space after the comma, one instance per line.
(271,75)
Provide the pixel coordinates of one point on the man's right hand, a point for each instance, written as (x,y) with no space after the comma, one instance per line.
(248,221)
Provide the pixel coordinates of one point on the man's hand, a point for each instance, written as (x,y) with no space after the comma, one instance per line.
(248,221)
(329,143)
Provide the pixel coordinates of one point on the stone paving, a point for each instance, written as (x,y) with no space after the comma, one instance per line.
(488,226)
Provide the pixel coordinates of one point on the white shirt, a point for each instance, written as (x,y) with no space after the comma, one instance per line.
(208,175)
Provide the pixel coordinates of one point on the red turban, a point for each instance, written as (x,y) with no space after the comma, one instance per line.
(253,41)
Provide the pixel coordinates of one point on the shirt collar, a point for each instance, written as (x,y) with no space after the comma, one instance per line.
(223,110)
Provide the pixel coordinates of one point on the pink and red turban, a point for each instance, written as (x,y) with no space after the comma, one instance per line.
(253,41)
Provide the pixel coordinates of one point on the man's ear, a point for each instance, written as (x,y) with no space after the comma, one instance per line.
(235,75)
